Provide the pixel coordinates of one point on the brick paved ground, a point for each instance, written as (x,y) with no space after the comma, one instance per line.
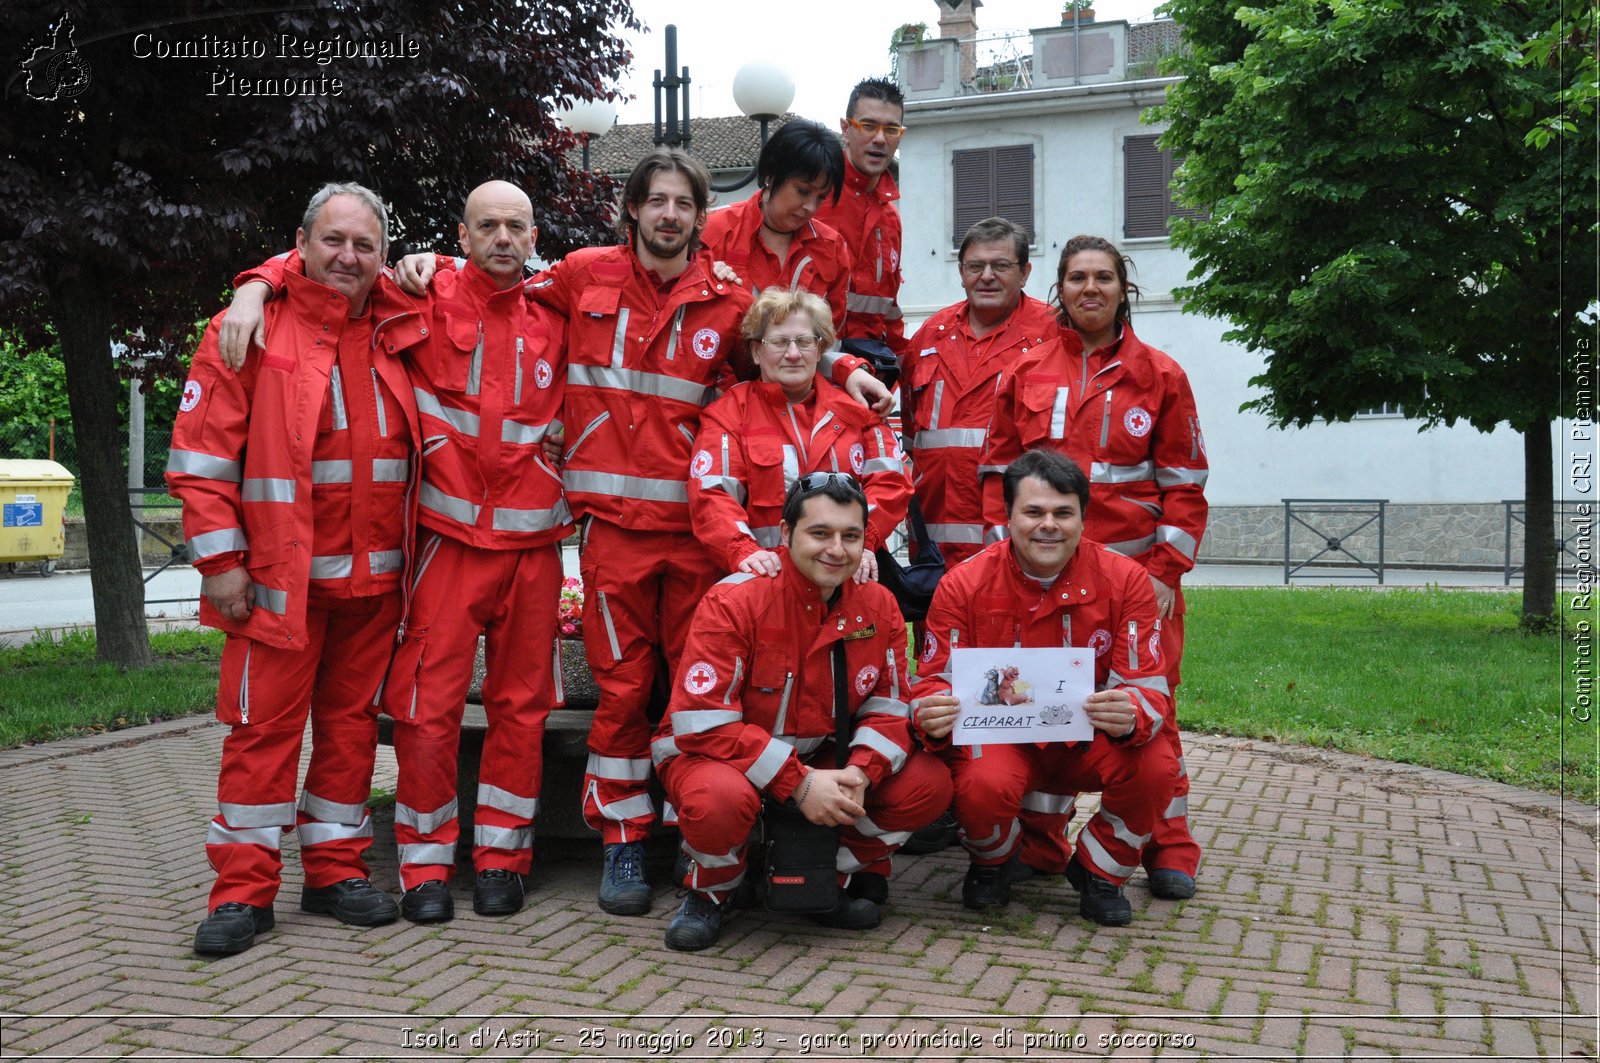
(1349,909)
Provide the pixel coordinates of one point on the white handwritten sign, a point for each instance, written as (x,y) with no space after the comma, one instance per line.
(1011,695)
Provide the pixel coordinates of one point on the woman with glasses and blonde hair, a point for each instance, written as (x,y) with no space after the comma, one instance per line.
(763,435)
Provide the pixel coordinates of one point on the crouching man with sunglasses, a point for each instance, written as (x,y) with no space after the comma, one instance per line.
(775,667)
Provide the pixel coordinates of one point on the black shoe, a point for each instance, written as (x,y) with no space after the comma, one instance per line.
(850,913)
(355,901)
(1098,900)
(1017,871)
(986,886)
(623,887)
(697,925)
(497,892)
(231,928)
(428,903)
(869,886)
(934,838)
(1170,884)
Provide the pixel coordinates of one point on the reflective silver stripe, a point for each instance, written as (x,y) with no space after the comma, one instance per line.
(316,833)
(663,750)
(619,486)
(866,736)
(728,859)
(1058,415)
(783,703)
(997,470)
(868,304)
(1047,803)
(332,566)
(1104,473)
(209,544)
(1178,808)
(1120,829)
(791,465)
(336,392)
(457,509)
(1183,768)
(794,281)
(462,421)
(804,746)
(532,520)
(331,472)
(941,438)
(1090,846)
(587,432)
(938,401)
(725,889)
(628,808)
(1178,539)
(994,846)
(677,327)
(390,470)
(237,816)
(621,769)
(769,537)
(381,562)
(611,627)
(426,853)
(1132,547)
(886,706)
(516,387)
(619,342)
(244,685)
(873,465)
(1105,417)
(194,463)
(997,534)
(522,434)
(266,837)
(845,862)
(475,366)
(271,599)
(957,533)
(425,822)
(383,413)
(768,764)
(1167,477)
(332,811)
(267,489)
(698,720)
(639,383)
(1157,683)
(887,837)
(733,684)
(729,485)
(488,837)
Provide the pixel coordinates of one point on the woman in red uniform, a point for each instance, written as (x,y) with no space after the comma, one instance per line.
(763,435)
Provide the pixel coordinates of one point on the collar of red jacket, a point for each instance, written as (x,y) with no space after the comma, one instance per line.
(1128,349)
(482,286)
(1078,584)
(843,616)
(306,296)
(856,181)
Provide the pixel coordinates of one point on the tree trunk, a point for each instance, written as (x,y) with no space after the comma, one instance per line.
(84,327)
(1539,538)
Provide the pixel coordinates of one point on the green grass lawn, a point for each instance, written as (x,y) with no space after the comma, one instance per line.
(56,690)
(1425,676)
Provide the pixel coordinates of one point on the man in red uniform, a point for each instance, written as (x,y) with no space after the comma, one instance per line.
(296,479)
(1047,586)
(489,386)
(866,217)
(651,335)
(947,386)
(753,715)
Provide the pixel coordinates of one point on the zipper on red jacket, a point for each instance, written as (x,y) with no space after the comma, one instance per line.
(1133,645)
(1105,421)
(516,387)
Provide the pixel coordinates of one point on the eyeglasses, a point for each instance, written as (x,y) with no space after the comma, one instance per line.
(817,481)
(866,125)
(803,344)
(1000,268)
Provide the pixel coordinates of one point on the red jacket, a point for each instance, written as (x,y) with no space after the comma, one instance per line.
(951,377)
(756,684)
(242,445)
(494,368)
(752,446)
(870,224)
(1134,430)
(1101,601)
(818,259)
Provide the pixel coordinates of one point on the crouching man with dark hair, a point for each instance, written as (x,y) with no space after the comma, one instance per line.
(1047,586)
(753,715)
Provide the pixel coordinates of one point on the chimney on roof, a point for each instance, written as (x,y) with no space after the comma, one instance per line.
(958,20)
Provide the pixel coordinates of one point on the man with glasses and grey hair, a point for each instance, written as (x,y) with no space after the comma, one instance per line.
(297,477)
(756,709)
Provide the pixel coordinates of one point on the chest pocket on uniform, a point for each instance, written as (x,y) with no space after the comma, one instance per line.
(996,622)
(765,476)
(600,329)
(1038,421)
(457,370)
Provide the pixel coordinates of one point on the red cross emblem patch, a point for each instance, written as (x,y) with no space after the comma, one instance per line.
(700,678)
(1138,421)
(1100,642)
(929,646)
(858,457)
(866,679)
(701,464)
(191,396)
(706,342)
(543,374)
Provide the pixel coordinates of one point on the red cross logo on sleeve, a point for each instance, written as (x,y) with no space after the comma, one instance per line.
(700,678)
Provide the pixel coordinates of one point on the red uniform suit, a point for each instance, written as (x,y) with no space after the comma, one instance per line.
(867,219)
(643,358)
(1126,415)
(818,260)
(951,376)
(300,469)
(1101,601)
(754,444)
(754,703)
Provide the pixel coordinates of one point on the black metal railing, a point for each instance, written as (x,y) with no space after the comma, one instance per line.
(1302,511)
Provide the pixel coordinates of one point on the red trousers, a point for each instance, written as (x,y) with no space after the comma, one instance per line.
(999,788)
(640,590)
(511,597)
(266,694)
(717,807)
(1171,844)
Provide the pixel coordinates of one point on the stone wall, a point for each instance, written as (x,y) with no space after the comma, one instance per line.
(153,550)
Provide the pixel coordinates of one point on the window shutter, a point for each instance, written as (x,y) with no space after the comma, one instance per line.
(974,191)
(992,182)
(1013,186)
(1144,191)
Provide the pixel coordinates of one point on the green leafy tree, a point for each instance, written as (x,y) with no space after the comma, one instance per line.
(134,184)
(1378,230)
